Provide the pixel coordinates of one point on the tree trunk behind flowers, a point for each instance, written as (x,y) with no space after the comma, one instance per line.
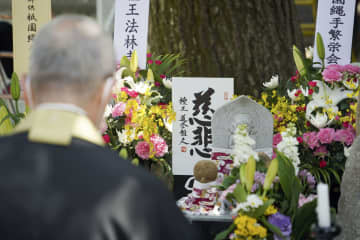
(247,40)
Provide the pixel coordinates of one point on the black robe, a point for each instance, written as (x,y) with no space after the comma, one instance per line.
(79,190)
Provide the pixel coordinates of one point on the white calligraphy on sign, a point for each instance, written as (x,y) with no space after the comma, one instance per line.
(131,29)
(195,101)
(335,21)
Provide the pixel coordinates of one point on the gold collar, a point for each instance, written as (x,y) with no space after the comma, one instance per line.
(58,127)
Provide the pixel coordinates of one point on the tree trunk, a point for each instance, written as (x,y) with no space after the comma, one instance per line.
(247,40)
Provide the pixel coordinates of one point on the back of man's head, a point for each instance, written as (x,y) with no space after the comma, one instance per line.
(70,58)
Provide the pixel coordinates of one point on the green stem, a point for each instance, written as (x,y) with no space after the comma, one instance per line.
(17,106)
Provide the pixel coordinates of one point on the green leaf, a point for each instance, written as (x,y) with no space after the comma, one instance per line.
(303,220)
(225,233)
(271,227)
(261,210)
(228,181)
(336,175)
(15,87)
(286,174)
(240,193)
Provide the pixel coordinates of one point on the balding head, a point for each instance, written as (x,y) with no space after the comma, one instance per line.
(70,59)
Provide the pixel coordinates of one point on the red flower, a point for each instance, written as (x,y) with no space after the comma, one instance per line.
(299,139)
(322,164)
(106,138)
(298,92)
(162,105)
(293,78)
(308,124)
(162,76)
(345,124)
(157,84)
(311,91)
(312,84)
(148,55)
(158,62)
(150,61)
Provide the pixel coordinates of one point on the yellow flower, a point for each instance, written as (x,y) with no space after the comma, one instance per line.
(270,210)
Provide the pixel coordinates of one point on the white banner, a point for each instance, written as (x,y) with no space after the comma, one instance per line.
(131,29)
(195,101)
(335,21)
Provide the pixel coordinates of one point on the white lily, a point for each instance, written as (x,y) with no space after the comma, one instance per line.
(305,91)
(167,82)
(291,94)
(168,125)
(108,110)
(319,121)
(326,98)
(309,52)
(119,81)
(273,83)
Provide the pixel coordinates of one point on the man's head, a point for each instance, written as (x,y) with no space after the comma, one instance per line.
(71,59)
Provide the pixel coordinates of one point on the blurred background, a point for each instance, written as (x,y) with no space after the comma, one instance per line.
(247,40)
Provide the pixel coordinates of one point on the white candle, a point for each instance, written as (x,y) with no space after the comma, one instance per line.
(323,206)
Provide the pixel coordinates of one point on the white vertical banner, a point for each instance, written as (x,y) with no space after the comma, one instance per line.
(335,21)
(195,101)
(131,29)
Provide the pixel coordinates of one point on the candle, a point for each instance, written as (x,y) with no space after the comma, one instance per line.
(323,206)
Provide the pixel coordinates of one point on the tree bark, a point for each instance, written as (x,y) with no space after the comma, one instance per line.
(247,40)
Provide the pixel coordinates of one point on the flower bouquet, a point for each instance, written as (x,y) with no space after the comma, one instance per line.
(139,120)
(268,199)
(320,101)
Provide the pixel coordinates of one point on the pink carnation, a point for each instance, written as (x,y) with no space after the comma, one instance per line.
(118,109)
(352,68)
(142,149)
(330,75)
(303,200)
(336,67)
(277,138)
(160,146)
(326,135)
(321,151)
(346,136)
(311,139)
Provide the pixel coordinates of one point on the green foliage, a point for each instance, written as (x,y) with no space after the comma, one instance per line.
(305,216)
(223,235)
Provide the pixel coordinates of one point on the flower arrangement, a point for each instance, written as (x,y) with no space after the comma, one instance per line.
(139,120)
(320,103)
(269,200)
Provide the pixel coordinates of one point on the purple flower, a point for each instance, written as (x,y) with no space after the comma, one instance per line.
(259,179)
(283,223)
(303,200)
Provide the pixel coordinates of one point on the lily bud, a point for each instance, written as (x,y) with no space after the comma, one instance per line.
(123,153)
(150,75)
(15,87)
(271,173)
(320,47)
(250,173)
(134,61)
(135,161)
(299,62)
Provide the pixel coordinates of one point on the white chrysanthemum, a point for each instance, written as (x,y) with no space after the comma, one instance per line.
(273,83)
(254,201)
(108,110)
